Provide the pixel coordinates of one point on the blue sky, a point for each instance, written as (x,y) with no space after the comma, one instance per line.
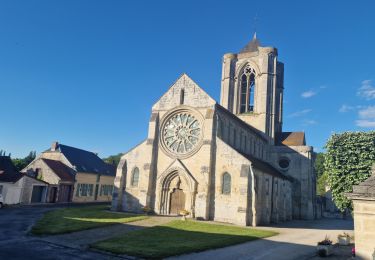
(86,73)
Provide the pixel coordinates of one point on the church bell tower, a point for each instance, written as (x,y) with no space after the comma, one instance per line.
(252,87)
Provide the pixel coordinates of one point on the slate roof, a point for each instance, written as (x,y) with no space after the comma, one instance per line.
(252,46)
(290,139)
(60,169)
(8,172)
(85,161)
(264,166)
(241,122)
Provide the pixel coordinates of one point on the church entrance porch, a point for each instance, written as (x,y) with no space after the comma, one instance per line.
(177,202)
(176,190)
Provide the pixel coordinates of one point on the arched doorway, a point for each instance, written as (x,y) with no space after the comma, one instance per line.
(176,191)
(177,201)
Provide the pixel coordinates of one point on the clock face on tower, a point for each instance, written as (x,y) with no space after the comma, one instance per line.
(181,133)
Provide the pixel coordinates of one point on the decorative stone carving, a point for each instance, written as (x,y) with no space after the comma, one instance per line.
(181,133)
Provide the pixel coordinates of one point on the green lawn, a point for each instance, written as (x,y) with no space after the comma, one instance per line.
(73,219)
(179,237)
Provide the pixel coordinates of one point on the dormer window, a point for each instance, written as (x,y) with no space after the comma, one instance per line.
(247,90)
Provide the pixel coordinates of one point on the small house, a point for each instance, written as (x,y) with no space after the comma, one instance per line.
(18,188)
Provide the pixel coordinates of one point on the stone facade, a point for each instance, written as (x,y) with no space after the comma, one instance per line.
(221,162)
(363,197)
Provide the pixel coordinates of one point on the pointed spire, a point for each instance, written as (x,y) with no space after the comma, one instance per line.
(252,46)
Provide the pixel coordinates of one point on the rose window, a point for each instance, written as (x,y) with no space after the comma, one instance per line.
(181,133)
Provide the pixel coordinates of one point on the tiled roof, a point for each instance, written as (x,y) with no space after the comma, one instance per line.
(291,139)
(85,161)
(60,169)
(8,172)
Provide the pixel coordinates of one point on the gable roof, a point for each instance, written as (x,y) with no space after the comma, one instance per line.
(195,95)
(264,166)
(8,172)
(290,139)
(241,122)
(60,169)
(366,189)
(85,161)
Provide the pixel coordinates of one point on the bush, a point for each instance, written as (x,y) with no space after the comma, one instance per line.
(348,162)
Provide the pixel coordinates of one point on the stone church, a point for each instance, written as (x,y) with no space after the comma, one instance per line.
(228,162)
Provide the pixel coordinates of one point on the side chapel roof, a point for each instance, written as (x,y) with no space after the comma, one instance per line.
(290,139)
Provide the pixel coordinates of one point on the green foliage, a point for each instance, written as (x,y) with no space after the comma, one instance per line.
(348,162)
(319,164)
(21,163)
(113,159)
(320,174)
(321,184)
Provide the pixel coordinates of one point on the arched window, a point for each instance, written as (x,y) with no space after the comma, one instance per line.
(135,177)
(226,188)
(247,90)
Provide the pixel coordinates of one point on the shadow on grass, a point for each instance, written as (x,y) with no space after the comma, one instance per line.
(179,237)
(69,220)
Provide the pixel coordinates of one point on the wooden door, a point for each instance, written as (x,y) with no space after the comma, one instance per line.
(53,194)
(64,193)
(177,202)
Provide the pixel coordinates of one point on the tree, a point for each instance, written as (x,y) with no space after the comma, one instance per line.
(21,163)
(348,162)
(320,174)
(113,159)
(3,153)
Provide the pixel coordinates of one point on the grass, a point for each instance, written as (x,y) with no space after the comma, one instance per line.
(179,237)
(69,220)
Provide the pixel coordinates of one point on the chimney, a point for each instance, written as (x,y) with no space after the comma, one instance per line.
(54,146)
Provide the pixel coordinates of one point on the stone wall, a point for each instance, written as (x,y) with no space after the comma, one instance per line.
(47,174)
(364,225)
(302,171)
(236,206)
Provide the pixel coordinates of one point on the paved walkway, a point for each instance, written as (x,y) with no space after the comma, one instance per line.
(15,244)
(297,240)
(82,239)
